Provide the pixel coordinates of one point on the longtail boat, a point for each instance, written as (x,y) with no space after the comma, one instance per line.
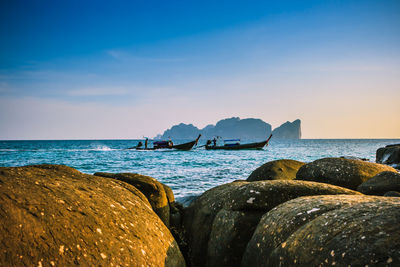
(168,145)
(238,146)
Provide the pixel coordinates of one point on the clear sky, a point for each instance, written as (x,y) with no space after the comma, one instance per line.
(127,69)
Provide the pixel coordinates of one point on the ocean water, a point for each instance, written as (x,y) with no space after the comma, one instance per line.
(186,172)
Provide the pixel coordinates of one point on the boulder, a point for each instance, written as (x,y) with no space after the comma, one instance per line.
(198,219)
(389,154)
(346,173)
(158,194)
(381,183)
(328,230)
(392,194)
(53,215)
(220,222)
(352,157)
(283,169)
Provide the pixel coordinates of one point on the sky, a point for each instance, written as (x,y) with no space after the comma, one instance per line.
(128,69)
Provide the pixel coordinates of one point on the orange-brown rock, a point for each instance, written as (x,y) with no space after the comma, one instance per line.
(56,215)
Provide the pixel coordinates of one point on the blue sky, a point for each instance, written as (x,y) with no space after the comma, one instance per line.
(124,69)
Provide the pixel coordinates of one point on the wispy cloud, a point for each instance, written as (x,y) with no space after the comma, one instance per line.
(121,55)
(99,91)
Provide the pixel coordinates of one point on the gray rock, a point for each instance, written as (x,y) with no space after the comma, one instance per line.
(221,221)
(388,155)
(328,230)
(56,215)
(282,221)
(341,172)
(283,169)
(392,194)
(381,183)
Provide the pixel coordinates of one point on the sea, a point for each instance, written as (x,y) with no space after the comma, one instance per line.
(188,173)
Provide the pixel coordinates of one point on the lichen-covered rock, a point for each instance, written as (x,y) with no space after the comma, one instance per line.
(328,230)
(346,173)
(221,221)
(279,223)
(381,183)
(155,191)
(283,169)
(389,154)
(55,215)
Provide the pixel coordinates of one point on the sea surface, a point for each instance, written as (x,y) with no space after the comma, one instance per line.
(188,173)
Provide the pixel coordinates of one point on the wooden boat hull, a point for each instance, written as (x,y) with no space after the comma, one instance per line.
(257,145)
(186,146)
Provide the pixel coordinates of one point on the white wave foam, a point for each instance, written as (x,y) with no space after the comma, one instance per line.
(102,148)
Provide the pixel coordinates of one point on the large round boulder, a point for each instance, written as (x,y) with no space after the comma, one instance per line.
(389,154)
(381,183)
(347,173)
(53,215)
(158,194)
(220,222)
(328,230)
(283,169)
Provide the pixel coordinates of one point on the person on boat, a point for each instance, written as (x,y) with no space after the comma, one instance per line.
(170,143)
(146,142)
(214,141)
(139,144)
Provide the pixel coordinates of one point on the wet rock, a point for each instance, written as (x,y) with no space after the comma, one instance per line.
(159,195)
(381,183)
(346,173)
(389,154)
(220,222)
(56,215)
(283,169)
(392,194)
(328,230)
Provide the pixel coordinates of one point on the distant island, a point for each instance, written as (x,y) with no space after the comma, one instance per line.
(252,129)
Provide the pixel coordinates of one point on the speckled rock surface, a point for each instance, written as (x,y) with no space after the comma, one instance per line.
(283,169)
(381,183)
(155,191)
(347,173)
(221,221)
(55,215)
(328,230)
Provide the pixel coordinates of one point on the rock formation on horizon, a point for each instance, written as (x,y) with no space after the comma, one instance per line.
(253,129)
(288,130)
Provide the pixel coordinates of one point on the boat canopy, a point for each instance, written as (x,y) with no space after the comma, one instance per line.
(232,140)
(160,143)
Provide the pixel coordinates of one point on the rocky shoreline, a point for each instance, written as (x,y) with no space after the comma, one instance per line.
(333,211)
